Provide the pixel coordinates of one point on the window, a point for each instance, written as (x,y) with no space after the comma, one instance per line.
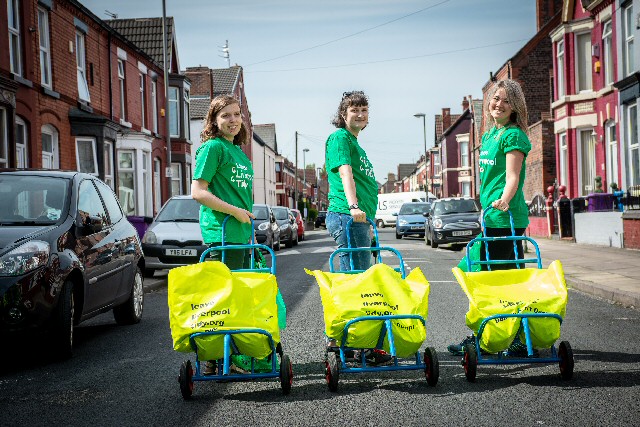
(174,110)
(21,144)
(50,154)
(45,53)
(189,175)
(143,122)
(187,101)
(154,107)
(89,202)
(157,189)
(583,62)
(436,163)
(612,152)
(4,139)
(126,181)
(564,160)
(123,92)
(587,160)
(86,158)
(83,87)
(607,53)
(107,159)
(627,41)
(466,189)
(110,201)
(15,60)
(464,154)
(176,179)
(560,65)
(634,144)
(146,182)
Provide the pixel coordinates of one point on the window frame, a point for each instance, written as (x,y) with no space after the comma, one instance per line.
(634,145)
(15,51)
(563,159)
(123,89)
(154,106)
(22,154)
(587,63)
(94,154)
(174,118)
(560,81)
(176,176)
(132,170)
(464,154)
(46,79)
(611,152)
(48,129)
(81,66)
(628,40)
(107,159)
(186,108)
(607,53)
(4,138)
(143,118)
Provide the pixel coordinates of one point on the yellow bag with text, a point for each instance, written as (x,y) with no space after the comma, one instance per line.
(378,291)
(209,297)
(526,290)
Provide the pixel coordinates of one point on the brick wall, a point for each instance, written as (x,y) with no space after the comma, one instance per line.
(201,81)
(541,161)
(631,229)
(545,10)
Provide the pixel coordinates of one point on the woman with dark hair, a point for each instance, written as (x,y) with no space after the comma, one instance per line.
(353,191)
(502,174)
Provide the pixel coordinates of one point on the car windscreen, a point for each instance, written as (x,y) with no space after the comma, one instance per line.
(280,213)
(456,206)
(180,210)
(261,213)
(414,208)
(33,200)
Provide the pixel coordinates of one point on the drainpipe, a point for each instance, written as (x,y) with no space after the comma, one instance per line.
(166,96)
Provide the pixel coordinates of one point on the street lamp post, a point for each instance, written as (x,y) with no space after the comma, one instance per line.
(304,178)
(424,131)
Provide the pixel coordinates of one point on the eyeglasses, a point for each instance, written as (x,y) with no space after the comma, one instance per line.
(352,93)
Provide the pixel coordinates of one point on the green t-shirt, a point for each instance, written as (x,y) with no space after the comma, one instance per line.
(230,176)
(496,143)
(342,148)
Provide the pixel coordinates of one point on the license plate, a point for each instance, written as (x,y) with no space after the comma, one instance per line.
(417,227)
(181,252)
(462,233)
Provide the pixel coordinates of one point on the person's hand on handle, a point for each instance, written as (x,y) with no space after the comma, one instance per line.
(358,215)
(243,215)
(500,205)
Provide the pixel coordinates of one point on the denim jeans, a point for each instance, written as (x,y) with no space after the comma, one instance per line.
(360,238)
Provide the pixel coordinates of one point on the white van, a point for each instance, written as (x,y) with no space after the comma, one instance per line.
(390,203)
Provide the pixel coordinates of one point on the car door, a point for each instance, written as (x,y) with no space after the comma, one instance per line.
(97,248)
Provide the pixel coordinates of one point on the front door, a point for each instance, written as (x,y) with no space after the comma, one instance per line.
(587,162)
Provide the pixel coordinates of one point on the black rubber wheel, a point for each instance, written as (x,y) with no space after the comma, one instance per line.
(185,379)
(432,366)
(380,223)
(61,336)
(332,371)
(566,360)
(434,245)
(289,243)
(398,236)
(296,240)
(470,362)
(130,312)
(286,374)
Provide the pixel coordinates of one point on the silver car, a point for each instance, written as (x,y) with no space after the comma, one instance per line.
(174,238)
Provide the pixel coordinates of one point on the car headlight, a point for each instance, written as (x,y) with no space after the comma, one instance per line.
(150,237)
(402,222)
(437,223)
(285,226)
(476,224)
(263,226)
(25,258)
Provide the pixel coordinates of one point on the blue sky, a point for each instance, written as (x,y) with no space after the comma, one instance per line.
(409,56)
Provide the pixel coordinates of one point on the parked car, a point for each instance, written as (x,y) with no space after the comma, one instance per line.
(410,219)
(452,220)
(320,220)
(67,253)
(266,227)
(298,216)
(174,238)
(287,224)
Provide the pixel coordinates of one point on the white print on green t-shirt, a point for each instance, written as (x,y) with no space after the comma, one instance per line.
(365,167)
(242,176)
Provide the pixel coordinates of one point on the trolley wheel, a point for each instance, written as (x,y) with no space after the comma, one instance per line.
(432,366)
(470,362)
(566,360)
(185,379)
(332,371)
(286,374)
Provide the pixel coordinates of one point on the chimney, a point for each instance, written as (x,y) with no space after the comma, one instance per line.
(545,10)
(201,81)
(446,119)
(465,104)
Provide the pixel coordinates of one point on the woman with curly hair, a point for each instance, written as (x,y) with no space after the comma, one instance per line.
(223,180)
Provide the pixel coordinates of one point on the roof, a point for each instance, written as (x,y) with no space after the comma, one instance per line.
(225,80)
(476,107)
(405,169)
(267,133)
(146,33)
(439,124)
(199,107)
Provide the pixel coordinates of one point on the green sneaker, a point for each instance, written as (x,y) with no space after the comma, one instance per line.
(241,363)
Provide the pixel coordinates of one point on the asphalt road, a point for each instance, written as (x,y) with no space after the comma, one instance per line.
(127,376)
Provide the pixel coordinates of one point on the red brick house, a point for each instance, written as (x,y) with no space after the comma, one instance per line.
(61,99)
(454,155)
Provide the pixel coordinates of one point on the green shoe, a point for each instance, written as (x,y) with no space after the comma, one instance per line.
(242,364)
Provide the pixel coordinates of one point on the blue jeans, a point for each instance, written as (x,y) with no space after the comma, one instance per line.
(360,237)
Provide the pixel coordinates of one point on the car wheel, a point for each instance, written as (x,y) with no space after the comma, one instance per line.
(426,237)
(434,245)
(380,223)
(289,242)
(130,312)
(295,241)
(149,272)
(398,236)
(62,326)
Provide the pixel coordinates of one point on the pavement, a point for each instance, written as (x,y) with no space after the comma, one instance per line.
(607,272)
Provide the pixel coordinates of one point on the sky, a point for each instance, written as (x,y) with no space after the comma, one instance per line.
(299,56)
